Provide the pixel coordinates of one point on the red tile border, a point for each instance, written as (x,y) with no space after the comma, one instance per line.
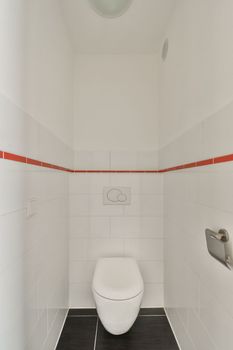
(33,162)
(205,162)
(223,159)
(115,171)
(190,165)
(47,165)
(15,157)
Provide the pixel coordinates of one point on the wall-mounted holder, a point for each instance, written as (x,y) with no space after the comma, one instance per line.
(219,246)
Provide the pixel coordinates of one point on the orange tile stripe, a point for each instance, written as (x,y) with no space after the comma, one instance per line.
(22,159)
(115,171)
(205,162)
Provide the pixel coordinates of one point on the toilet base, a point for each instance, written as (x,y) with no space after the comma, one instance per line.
(118,316)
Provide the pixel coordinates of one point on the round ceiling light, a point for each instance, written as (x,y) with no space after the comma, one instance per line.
(110,8)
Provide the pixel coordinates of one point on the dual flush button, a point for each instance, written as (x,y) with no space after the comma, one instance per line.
(117,196)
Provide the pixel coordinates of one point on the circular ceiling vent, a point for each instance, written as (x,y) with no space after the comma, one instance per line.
(110,8)
(165,49)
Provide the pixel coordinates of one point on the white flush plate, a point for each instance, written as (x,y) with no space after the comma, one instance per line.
(117,195)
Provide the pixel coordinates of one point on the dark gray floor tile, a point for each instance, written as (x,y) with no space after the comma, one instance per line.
(148,333)
(152,311)
(78,334)
(82,312)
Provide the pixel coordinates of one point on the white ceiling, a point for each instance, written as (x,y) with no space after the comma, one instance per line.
(139,30)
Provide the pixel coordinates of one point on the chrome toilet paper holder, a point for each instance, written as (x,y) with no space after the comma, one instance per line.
(219,246)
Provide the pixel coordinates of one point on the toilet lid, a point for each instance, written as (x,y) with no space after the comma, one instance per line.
(117,278)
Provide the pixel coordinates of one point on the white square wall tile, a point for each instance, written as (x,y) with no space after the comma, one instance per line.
(92,160)
(127,180)
(185,149)
(151,227)
(135,207)
(50,147)
(81,271)
(85,183)
(40,332)
(83,160)
(13,127)
(104,247)
(152,271)
(12,186)
(80,295)
(79,227)
(144,249)
(98,182)
(79,205)
(79,184)
(152,205)
(12,228)
(99,227)
(101,160)
(217,320)
(78,249)
(123,160)
(190,145)
(147,160)
(198,333)
(223,123)
(97,208)
(151,184)
(185,341)
(11,296)
(215,190)
(153,295)
(32,138)
(125,227)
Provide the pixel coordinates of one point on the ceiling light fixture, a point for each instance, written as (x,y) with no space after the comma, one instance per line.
(110,8)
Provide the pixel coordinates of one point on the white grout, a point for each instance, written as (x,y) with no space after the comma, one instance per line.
(151,315)
(82,316)
(96,332)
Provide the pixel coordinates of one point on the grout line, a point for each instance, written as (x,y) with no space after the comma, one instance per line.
(173,331)
(95,316)
(97,171)
(96,333)
(110,160)
(151,315)
(82,316)
(61,330)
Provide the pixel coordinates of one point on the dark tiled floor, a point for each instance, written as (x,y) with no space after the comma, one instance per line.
(83,331)
(78,334)
(82,312)
(152,312)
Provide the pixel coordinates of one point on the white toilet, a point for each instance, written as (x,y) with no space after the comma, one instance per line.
(118,289)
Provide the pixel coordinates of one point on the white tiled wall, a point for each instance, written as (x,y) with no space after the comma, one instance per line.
(116,103)
(33,250)
(209,138)
(195,123)
(198,289)
(196,94)
(116,160)
(36,122)
(98,230)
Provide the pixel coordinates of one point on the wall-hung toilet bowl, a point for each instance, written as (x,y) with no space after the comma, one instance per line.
(118,289)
